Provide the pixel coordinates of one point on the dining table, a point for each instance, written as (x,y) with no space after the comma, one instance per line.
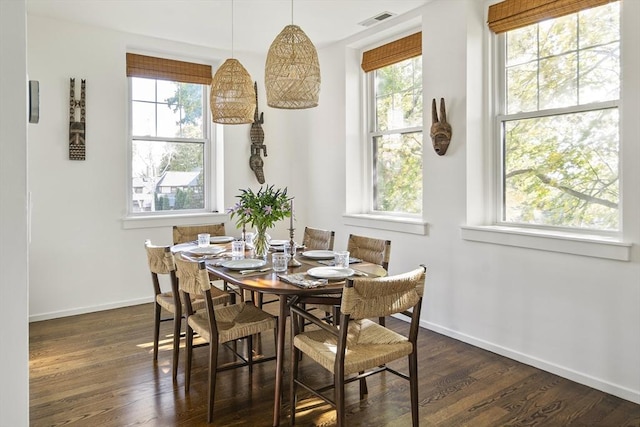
(273,283)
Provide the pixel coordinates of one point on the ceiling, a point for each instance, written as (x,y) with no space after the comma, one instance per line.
(209,22)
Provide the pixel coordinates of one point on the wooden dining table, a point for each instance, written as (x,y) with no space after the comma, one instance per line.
(268,282)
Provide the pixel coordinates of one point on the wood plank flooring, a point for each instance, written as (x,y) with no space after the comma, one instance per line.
(97,370)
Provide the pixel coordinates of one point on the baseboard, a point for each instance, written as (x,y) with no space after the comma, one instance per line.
(84,310)
(579,377)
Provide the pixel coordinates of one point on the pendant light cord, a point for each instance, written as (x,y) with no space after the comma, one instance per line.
(231,28)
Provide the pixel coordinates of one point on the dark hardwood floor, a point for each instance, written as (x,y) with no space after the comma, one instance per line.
(97,370)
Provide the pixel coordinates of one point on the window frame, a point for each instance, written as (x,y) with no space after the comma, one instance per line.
(184,216)
(371,133)
(481,224)
(497,59)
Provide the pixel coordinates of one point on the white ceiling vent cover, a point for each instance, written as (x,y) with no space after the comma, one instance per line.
(374,20)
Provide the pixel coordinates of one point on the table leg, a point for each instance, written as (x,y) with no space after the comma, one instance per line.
(282,323)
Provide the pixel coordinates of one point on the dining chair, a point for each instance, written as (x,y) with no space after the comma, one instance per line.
(368,249)
(359,347)
(162,262)
(189,233)
(318,239)
(218,325)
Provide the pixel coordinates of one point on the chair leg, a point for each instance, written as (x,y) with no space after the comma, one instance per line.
(336,315)
(363,387)
(381,321)
(295,357)
(250,353)
(187,357)
(177,325)
(156,331)
(213,368)
(413,387)
(339,394)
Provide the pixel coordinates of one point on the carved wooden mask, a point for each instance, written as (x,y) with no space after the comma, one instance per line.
(440,129)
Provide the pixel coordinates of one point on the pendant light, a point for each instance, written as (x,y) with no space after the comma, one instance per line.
(292,71)
(233,98)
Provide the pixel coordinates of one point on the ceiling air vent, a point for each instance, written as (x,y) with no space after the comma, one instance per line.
(374,20)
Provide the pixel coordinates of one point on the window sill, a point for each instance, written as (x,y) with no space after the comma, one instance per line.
(591,246)
(149,221)
(391,223)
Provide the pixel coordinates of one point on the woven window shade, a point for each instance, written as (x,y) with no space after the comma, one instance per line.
(511,14)
(167,69)
(392,53)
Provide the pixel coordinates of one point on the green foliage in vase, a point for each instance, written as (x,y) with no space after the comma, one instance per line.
(261,209)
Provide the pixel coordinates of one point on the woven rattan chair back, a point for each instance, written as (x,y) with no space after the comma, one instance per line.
(317,239)
(192,278)
(376,251)
(382,296)
(189,233)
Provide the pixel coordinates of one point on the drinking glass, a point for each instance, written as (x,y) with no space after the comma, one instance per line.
(237,249)
(341,259)
(279,261)
(204,239)
(248,239)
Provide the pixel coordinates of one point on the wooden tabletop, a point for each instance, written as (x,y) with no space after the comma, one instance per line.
(268,282)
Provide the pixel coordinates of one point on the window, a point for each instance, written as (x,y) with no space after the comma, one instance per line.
(394,75)
(558,121)
(170,142)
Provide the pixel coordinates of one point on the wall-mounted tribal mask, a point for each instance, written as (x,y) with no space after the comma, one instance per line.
(440,129)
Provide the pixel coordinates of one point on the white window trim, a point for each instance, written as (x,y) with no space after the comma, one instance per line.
(483,226)
(213,178)
(175,219)
(358,208)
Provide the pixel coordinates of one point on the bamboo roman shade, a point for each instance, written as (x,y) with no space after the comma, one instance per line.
(511,14)
(167,69)
(392,53)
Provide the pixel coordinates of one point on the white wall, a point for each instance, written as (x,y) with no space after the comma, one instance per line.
(572,315)
(575,316)
(83,258)
(14,332)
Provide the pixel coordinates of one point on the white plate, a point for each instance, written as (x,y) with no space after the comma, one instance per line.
(331,273)
(207,250)
(222,239)
(243,264)
(318,254)
(278,242)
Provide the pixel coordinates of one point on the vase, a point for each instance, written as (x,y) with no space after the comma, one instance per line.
(261,243)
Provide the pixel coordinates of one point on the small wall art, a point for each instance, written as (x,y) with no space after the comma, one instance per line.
(77,128)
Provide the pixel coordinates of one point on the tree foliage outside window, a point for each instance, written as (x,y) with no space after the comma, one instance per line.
(397,138)
(560,127)
(168,145)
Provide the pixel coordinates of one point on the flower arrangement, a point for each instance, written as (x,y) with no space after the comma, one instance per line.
(261,209)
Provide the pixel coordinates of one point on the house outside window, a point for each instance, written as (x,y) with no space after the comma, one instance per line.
(170,136)
(395,107)
(558,120)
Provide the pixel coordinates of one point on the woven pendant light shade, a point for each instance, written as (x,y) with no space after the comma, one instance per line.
(233,98)
(292,71)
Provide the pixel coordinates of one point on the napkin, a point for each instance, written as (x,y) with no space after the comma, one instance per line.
(301,280)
